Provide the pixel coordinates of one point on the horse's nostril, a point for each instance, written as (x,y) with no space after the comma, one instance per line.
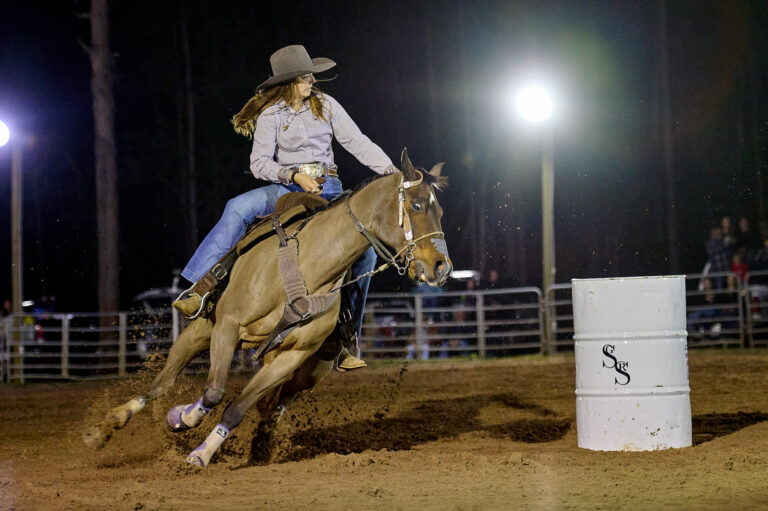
(440,268)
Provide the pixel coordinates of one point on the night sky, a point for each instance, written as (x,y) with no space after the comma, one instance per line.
(433,76)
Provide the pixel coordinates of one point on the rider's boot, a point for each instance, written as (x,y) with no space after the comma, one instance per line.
(348,357)
(198,300)
(192,302)
(349,362)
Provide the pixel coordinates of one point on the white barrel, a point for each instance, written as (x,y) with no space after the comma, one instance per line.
(632,390)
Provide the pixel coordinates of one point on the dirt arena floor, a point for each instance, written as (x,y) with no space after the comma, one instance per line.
(443,435)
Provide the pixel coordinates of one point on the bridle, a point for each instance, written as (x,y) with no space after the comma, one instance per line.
(401,259)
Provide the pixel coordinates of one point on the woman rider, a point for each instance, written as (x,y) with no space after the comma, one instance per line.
(292,125)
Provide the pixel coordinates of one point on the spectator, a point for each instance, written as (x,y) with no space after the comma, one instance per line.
(728,235)
(493,280)
(739,268)
(718,255)
(411,352)
(6,311)
(469,299)
(700,320)
(430,302)
(747,238)
(451,347)
(499,310)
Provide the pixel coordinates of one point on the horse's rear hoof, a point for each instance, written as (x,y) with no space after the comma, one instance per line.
(95,437)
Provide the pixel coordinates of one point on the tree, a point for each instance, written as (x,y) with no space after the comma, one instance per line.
(105,158)
(191,173)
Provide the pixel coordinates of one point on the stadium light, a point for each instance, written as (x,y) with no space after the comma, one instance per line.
(5,134)
(534,103)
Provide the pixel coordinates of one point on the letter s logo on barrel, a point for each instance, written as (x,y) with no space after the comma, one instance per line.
(621,366)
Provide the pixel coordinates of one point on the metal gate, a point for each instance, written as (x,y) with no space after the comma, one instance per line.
(435,324)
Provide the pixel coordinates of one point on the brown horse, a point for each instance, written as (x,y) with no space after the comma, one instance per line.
(399,210)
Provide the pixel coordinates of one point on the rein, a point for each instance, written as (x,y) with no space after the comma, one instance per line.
(405,254)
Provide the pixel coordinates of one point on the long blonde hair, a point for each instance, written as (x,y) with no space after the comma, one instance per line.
(244,121)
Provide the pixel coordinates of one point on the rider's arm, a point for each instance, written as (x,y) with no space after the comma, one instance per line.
(352,139)
(263,164)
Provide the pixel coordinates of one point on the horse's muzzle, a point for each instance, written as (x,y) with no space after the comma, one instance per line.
(435,276)
(442,270)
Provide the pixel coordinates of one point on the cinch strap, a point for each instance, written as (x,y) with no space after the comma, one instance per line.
(300,305)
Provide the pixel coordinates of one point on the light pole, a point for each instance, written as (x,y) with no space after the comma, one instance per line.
(548,209)
(535,105)
(17,281)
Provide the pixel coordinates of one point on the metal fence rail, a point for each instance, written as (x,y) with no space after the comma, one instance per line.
(90,346)
(557,302)
(81,345)
(4,353)
(457,323)
(756,307)
(721,311)
(714,312)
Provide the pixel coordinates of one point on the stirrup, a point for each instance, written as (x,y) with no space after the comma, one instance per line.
(203,299)
(346,362)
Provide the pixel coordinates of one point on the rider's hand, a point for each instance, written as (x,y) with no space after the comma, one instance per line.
(308,183)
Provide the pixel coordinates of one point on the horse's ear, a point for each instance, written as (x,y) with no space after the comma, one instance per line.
(407,167)
(437,169)
(405,163)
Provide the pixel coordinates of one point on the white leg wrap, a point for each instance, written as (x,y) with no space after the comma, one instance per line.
(136,404)
(203,453)
(123,413)
(192,415)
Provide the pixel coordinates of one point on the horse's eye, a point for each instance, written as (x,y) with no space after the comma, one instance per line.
(416,206)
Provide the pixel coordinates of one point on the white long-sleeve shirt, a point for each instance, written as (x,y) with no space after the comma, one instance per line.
(285,137)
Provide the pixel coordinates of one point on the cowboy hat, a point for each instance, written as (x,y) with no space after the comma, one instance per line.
(292,61)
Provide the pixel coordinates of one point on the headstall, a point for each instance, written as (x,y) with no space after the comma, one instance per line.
(401,259)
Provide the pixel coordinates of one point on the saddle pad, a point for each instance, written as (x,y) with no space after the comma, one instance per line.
(262,229)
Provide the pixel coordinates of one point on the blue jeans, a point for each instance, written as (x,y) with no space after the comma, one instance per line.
(240,212)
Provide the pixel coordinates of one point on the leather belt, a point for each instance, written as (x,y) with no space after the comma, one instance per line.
(316,170)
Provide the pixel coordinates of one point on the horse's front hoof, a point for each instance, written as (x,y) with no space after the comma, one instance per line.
(199,456)
(95,437)
(173,419)
(196,461)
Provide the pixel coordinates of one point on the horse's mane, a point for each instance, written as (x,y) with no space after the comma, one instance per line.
(365,182)
(439,183)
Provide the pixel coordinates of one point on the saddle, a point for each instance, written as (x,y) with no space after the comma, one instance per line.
(289,208)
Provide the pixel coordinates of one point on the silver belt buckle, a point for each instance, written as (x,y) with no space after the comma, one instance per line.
(312,169)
